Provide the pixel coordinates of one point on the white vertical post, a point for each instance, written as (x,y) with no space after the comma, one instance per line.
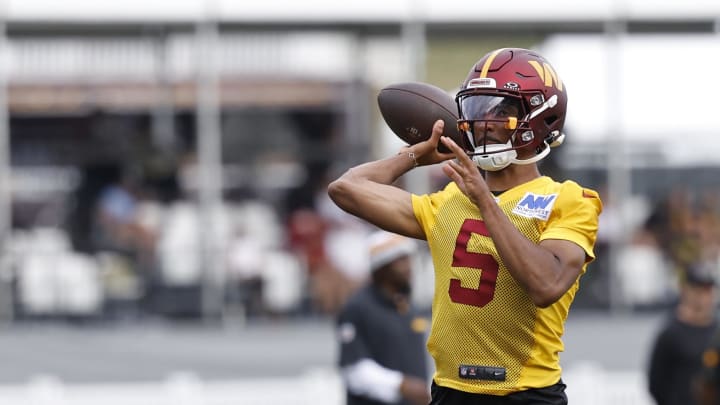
(355,109)
(618,170)
(163,111)
(209,162)
(415,44)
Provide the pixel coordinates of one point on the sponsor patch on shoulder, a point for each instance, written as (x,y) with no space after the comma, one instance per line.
(535,206)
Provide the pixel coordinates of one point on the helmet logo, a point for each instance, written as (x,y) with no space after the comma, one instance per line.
(547,73)
(512,86)
(481,82)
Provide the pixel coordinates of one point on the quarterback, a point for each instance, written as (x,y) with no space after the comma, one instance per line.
(509,245)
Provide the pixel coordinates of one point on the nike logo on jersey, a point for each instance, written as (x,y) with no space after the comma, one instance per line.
(535,206)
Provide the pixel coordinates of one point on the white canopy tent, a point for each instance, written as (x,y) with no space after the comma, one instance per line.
(310,11)
(650,89)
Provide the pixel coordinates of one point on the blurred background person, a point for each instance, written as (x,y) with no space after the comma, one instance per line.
(381,336)
(118,226)
(676,353)
(126,244)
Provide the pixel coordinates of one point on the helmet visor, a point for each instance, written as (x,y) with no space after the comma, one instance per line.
(489,108)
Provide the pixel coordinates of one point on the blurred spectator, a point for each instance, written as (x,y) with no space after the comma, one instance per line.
(245,264)
(381,336)
(120,236)
(686,228)
(117,222)
(689,226)
(675,357)
(345,238)
(328,286)
(645,279)
(331,244)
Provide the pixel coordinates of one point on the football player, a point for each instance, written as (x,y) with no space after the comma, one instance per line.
(509,245)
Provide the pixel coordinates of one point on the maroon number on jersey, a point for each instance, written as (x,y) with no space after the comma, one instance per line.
(485,291)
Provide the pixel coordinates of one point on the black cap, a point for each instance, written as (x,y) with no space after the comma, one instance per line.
(701,274)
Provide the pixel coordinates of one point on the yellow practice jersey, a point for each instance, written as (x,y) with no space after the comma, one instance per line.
(487,336)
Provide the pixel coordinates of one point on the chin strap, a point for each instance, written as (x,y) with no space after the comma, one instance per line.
(491,159)
(535,158)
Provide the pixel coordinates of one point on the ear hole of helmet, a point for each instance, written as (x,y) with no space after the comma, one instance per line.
(551,120)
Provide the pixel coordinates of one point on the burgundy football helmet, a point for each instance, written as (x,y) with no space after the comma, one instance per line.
(516,90)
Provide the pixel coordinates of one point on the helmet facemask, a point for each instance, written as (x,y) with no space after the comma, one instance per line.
(494,126)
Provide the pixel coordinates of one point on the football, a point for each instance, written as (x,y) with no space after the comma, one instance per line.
(410,110)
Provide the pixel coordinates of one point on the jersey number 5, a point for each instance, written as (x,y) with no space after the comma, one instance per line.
(482,261)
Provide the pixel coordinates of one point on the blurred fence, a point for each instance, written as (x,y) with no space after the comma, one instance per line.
(588,384)
(317,387)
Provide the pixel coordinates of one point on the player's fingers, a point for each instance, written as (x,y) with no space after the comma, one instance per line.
(458,168)
(457,150)
(454,176)
(436,137)
(447,141)
(438,127)
(437,130)
(452,173)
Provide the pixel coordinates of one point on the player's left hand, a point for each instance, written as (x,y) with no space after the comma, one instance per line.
(464,172)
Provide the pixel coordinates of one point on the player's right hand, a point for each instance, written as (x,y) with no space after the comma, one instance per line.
(426,152)
(415,390)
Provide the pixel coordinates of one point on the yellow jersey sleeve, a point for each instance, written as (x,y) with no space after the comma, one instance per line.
(575,217)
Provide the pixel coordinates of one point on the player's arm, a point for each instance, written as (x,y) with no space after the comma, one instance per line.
(545,270)
(368,378)
(366,191)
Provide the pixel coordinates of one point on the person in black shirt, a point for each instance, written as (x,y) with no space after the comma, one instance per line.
(676,355)
(381,335)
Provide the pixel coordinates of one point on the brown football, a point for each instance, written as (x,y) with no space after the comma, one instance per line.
(410,110)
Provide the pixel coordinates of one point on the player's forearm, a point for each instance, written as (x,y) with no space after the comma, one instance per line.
(384,171)
(533,267)
(366,191)
(359,183)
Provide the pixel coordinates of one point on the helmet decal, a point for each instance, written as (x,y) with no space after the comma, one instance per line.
(547,73)
(489,61)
